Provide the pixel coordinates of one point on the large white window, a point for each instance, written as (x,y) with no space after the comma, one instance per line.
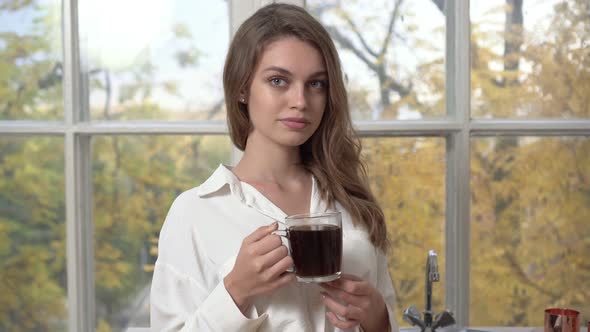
(474,118)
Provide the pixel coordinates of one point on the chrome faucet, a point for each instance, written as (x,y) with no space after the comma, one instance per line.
(431,276)
(412,315)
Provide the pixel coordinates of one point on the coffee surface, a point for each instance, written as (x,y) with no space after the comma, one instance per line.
(316,249)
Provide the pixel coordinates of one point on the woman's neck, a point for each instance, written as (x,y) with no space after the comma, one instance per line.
(267,161)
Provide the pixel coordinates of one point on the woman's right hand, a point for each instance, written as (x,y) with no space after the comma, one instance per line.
(260,267)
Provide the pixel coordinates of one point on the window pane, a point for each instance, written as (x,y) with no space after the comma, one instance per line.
(392,53)
(529,228)
(31,60)
(407,175)
(136,178)
(530,59)
(165,64)
(32,235)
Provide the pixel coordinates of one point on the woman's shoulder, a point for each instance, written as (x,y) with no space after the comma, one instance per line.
(197,200)
(186,199)
(220,179)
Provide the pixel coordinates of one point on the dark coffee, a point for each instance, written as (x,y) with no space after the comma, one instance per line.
(316,249)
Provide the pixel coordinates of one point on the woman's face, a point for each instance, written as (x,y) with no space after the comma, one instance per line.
(288,93)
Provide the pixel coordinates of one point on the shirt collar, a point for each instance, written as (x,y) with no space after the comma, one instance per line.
(223,177)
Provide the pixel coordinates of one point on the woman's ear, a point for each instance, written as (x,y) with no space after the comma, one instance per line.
(243,97)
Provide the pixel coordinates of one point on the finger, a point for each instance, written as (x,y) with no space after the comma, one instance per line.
(280,267)
(350,277)
(342,324)
(274,256)
(266,244)
(285,279)
(347,311)
(350,286)
(356,300)
(260,233)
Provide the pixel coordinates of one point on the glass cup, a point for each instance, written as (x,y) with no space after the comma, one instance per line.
(561,320)
(315,243)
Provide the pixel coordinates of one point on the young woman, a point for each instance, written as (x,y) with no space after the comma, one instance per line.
(220,267)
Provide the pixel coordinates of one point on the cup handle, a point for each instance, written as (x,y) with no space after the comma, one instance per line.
(284,233)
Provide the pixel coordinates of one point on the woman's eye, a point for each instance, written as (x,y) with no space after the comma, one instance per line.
(318,84)
(277,81)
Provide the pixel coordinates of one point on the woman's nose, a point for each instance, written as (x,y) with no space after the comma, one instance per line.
(298,96)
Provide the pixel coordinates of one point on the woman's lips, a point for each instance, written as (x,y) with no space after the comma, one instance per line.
(295,123)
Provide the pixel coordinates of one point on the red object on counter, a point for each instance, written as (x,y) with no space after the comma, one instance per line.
(561,320)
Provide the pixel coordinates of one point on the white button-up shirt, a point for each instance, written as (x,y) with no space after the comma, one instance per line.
(199,243)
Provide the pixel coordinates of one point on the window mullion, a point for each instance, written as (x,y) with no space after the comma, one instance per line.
(79,233)
(78,201)
(457,234)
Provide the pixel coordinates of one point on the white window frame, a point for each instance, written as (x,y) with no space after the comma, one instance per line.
(457,128)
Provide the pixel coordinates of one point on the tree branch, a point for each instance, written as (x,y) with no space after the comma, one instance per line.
(577,164)
(391,27)
(359,36)
(347,44)
(398,87)
(513,37)
(215,109)
(386,82)
(524,278)
(108,93)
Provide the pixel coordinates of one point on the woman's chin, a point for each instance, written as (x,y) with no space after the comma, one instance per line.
(293,141)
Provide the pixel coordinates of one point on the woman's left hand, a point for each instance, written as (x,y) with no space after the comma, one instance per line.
(356,301)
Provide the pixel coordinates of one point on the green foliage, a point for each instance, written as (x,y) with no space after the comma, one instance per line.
(32,235)
(30,74)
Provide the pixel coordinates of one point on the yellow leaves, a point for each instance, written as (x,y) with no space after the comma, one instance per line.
(182,31)
(4,237)
(31,297)
(111,267)
(551,68)
(103,326)
(407,177)
(531,237)
(154,247)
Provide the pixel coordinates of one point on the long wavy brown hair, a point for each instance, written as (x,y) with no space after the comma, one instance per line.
(332,153)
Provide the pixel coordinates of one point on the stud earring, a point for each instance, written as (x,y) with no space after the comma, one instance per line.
(243,100)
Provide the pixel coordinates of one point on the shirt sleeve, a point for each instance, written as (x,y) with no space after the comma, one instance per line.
(385,286)
(185,295)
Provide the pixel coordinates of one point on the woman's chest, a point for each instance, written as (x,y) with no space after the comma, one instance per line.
(291,201)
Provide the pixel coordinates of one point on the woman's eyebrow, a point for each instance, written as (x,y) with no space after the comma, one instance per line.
(288,73)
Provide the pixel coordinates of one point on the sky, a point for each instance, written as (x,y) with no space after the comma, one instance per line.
(116,42)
